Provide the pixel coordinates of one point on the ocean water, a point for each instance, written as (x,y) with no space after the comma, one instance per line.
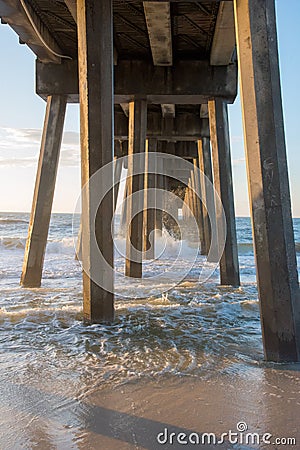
(193,330)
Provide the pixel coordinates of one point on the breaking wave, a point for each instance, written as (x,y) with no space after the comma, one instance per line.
(63,246)
(66,245)
(12,243)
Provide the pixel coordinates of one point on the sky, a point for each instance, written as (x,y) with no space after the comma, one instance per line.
(22,115)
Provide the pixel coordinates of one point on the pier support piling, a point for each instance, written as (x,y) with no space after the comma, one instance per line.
(159,184)
(194,205)
(184,209)
(136,144)
(78,251)
(219,132)
(123,216)
(149,209)
(43,192)
(277,277)
(95,22)
(189,202)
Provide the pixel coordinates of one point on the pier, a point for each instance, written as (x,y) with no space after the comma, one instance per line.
(157,76)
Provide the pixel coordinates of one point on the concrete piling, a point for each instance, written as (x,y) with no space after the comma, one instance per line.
(277,276)
(43,192)
(95,22)
(136,145)
(219,131)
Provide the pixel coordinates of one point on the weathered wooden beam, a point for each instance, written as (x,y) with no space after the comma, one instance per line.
(185,211)
(182,149)
(220,142)
(72,6)
(186,82)
(149,199)
(205,166)
(168,110)
(186,1)
(270,203)
(43,192)
(159,184)
(224,37)
(121,149)
(12,12)
(185,127)
(117,178)
(136,145)
(186,150)
(158,20)
(123,215)
(95,23)
(199,205)
(125,108)
(204,111)
(174,163)
(195,204)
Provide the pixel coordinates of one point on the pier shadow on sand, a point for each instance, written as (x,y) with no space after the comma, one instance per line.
(51,421)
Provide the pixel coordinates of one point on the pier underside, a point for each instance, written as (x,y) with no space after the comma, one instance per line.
(156,76)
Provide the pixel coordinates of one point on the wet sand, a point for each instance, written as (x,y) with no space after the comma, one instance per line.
(189,361)
(131,415)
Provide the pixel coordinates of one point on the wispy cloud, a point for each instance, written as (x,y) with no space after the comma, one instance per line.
(20,147)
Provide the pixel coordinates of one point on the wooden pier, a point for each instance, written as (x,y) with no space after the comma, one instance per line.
(159,75)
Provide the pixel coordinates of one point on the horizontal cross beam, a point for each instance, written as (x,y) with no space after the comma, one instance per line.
(185,1)
(186,82)
(158,20)
(187,150)
(223,44)
(13,13)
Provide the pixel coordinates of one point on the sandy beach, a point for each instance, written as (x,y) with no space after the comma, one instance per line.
(149,225)
(189,361)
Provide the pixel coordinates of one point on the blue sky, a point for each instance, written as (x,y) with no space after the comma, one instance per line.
(22,115)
